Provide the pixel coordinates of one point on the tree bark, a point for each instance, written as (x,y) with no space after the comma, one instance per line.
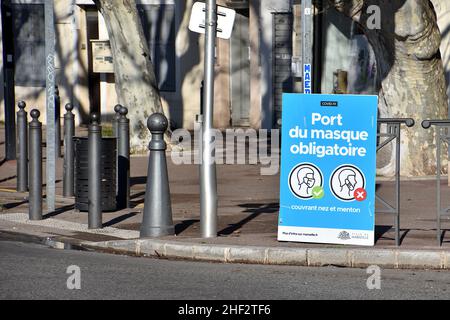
(135,79)
(409,66)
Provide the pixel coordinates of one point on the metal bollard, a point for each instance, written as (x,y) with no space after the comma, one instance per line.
(35,196)
(157,216)
(69,133)
(57,123)
(123,160)
(22,159)
(115,129)
(94,173)
(115,120)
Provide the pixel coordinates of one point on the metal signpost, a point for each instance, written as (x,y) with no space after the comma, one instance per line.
(213,21)
(208,179)
(307,45)
(50,104)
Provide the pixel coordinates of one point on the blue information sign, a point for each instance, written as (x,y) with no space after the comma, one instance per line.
(328,163)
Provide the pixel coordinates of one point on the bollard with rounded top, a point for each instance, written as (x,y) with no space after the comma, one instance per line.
(35,139)
(157,215)
(94,173)
(115,129)
(69,133)
(115,120)
(22,140)
(57,123)
(123,160)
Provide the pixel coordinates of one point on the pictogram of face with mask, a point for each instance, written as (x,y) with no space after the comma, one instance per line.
(345,180)
(303,178)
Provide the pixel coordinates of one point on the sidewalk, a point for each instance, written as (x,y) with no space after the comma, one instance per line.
(248,212)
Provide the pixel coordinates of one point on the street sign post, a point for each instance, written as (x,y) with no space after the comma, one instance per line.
(328,163)
(208,179)
(212,20)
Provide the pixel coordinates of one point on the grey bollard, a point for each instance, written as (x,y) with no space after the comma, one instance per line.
(57,123)
(22,140)
(94,173)
(123,160)
(35,139)
(115,120)
(69,133)
(157,216)
(115,129)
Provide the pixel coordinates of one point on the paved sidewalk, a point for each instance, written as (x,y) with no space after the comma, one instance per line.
(248,212)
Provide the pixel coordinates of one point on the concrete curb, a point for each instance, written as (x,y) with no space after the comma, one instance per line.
(341,257)
(438,259)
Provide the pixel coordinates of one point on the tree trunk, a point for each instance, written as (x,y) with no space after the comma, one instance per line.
(411,73)
(135,79)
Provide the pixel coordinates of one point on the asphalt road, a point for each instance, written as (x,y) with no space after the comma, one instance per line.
(30,271)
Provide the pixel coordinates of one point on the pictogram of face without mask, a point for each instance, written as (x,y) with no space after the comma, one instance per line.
(303,178)
(345,180)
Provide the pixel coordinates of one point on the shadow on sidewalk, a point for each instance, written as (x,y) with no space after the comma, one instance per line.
(185,224)
(12,205)
(3,161)
(135,199)
(119,219)
(8,178)
(59,211)
(256,209)
(138,180)
(381,230)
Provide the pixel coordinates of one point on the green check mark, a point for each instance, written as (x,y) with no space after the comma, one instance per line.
(317,192)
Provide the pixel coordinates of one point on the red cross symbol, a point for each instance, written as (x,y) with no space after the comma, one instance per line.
(360,194)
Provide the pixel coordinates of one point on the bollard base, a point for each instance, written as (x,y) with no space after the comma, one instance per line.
(153,232)
(93,227)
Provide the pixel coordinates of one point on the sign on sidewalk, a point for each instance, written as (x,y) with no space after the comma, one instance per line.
(328,163)
(225,20)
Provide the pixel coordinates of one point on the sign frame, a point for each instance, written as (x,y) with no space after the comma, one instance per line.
(328,169)
(225,20)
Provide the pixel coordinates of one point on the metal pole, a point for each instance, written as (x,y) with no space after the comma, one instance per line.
(35,196)
(22,160)
(8,77)
(69,133)
(57,123)
(94,173)
(50,98)
(438,177)
(157,216)
(123,160)
(397,184)
(208,180)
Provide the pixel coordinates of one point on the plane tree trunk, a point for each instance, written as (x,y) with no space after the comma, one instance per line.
(135,80)
(410,70)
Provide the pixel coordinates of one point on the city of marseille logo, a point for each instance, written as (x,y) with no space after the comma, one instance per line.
(344,235)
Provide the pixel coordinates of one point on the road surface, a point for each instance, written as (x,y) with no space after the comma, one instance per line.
(31,271)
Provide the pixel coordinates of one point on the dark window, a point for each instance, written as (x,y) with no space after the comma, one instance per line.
(29,44)
(158,22)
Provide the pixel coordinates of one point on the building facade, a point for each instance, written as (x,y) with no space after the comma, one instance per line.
(257,57)
(253,68)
